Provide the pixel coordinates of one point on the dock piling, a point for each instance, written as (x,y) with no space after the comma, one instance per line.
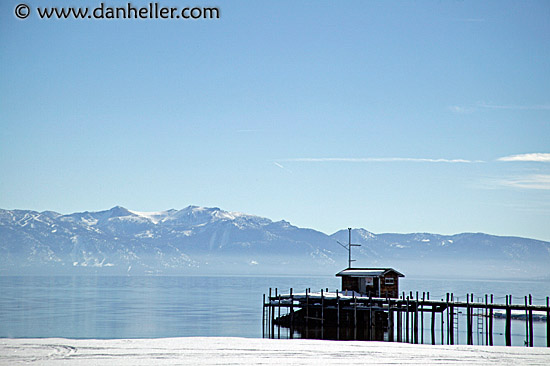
(547,321)
(469,321)
(508,330)
(491,323)
(452,322)
(407,325)
(433,324)
(400,324)
(416,320)
(531,322)
(486,320)
(390,321)
(526,324)
(422,318)
(263,317)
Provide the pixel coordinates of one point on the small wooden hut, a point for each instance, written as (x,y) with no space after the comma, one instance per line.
(375,282)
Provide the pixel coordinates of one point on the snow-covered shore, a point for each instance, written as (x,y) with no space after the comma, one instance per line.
(254,351)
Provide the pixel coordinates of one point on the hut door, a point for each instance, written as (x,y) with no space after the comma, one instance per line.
(362,285)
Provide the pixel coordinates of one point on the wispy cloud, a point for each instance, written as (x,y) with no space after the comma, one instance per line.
(537,157)
(539,107)
(470,109)
(533,181)
(380,160)
(460,110)
(282,167)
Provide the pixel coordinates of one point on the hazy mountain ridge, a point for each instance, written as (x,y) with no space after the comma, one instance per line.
(185,240)
(465,254)
(211,240)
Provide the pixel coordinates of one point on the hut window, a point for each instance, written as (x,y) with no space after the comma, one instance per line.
(389,281)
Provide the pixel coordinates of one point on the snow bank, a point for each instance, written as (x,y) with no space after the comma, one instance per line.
(254,351)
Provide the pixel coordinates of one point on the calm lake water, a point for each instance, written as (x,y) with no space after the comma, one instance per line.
(149,307)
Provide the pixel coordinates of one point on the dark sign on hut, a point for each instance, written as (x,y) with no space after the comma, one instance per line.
(375,282)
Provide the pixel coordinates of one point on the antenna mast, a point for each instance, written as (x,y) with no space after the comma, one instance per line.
(348,247)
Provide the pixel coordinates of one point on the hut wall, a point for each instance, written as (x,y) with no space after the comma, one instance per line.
(390,285)
(350,283)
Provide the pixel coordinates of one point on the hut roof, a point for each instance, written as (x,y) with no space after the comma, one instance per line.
(367,272)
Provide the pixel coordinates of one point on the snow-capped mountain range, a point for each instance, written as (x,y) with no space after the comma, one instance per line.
(213,241)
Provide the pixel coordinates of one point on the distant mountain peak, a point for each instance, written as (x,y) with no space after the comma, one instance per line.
(214,212)
(154,217)
(119,211)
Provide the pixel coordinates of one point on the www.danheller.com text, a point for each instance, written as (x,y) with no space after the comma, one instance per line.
(153,10)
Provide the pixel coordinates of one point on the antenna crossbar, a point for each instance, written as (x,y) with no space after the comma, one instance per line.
(348,247)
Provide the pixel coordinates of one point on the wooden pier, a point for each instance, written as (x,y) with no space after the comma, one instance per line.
(349,315)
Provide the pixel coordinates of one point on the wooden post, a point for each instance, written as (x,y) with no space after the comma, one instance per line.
(291,306)
(399,324)
(272,316)
(448,317)
(337,315)
(370,324)
(354,316)
(526,324)
(547,321)
(422,319)
(469,321)
(416,319)
(372,321)
(407,325)
(457,320)
(263,317)
(278,296)
(307,308)
(400,319)
(322,309)
(278,314)
(268,320)
(291,315)
(433,321)
(531,322)
(442,325)
(447,309)
(491,323)
(433,324)
(354,311)
(486,320)
(508,330)
(472,316)
(390,321)
(452,324)
(322,315)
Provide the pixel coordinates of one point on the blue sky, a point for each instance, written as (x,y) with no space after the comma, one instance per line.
(406,116)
